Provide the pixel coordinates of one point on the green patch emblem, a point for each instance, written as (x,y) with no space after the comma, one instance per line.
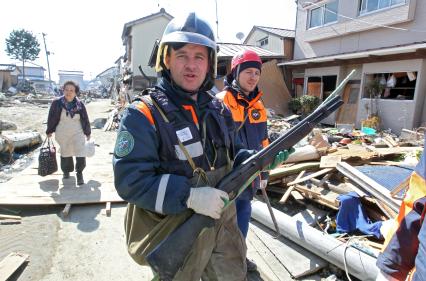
(124,144)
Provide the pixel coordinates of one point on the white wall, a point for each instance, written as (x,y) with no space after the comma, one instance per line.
(349,35)
(395,114)
(144,36)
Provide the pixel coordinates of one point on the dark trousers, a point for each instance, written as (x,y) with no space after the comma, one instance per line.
(243,215)
(67,164)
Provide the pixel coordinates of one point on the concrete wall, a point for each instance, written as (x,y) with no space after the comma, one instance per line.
(349,35)
(396,114)
(275,43)
(143,39)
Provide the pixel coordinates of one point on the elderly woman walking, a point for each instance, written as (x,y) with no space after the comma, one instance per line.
(69,121)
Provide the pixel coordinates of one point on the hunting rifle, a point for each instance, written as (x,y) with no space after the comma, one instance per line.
(169,255)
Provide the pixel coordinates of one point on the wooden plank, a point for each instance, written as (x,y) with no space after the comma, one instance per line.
(266,262)
(313,175)
(53,190)
(403,185)
(318,197)
(330,161)
(278,93)
(11,263)
(108,209)
(295,260)
(290,189)
(281,172)
(368,184)
(9,217)
(66,210)
(390,141)
(296,195)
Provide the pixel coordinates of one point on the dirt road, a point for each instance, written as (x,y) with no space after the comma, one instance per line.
(87,245)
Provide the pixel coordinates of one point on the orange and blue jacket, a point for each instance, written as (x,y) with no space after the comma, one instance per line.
(249,115)
(402,254)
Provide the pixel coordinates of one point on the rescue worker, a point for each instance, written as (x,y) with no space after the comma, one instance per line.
(404,253)
(243,98)
(172,147)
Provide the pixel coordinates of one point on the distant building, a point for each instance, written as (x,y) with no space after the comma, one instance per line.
(8,76)
(35,74)
(32,73)
(277,40)
(76,76)
(139,37)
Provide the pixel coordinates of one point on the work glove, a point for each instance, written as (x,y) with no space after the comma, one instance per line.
(280,158)
(207,201)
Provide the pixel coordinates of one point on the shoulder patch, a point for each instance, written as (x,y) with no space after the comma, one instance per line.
(124,144)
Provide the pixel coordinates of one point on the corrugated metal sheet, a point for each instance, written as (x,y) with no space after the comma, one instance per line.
(278,31)
(388,176)
(228,50)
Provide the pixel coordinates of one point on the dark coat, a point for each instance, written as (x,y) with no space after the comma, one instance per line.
(55,115)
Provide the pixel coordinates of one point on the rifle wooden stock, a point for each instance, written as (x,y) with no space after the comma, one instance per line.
(168,257)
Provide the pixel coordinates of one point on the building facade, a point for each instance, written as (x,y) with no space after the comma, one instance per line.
(139,37)
(384,40)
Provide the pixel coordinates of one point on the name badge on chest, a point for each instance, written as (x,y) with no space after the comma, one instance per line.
(184,134)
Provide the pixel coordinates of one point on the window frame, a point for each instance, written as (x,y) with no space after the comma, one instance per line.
(391,6)
(264,39)
(322,15)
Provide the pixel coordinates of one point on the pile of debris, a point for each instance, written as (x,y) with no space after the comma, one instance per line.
(344,184)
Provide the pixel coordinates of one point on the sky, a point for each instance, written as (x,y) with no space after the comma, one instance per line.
(86,35)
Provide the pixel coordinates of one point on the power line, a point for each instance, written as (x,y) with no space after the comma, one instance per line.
(361,21)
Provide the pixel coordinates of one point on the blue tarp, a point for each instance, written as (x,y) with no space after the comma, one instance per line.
(351,216)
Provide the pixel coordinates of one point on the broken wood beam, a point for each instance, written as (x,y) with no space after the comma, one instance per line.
(108,209)
(317,197)
(313,175)
(11,263)
(403,185)
(9,217)
(329,185)
(281,172)
(369,185)
(290,189)
(66,210)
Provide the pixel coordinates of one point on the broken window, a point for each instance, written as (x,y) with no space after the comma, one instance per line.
(392,85)
(321,86)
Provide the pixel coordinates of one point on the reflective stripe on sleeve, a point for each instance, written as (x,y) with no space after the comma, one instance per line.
(161,193)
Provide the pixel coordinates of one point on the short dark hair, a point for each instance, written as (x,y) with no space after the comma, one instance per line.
(72,83)
(175,46)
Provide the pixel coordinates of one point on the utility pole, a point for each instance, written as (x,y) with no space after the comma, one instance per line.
(47,57)
(217,22)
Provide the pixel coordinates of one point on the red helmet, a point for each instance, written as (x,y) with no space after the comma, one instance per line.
(244,56)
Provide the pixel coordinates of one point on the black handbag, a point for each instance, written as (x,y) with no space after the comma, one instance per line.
(47,158)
